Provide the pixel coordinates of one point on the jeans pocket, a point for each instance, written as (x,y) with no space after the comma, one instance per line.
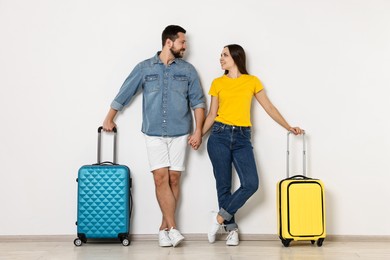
(247,133)
(217,128)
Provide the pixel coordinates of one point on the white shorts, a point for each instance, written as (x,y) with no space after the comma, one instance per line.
(167,152)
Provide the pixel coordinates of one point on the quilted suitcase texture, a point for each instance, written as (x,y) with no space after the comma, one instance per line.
(301,207)
(103,200)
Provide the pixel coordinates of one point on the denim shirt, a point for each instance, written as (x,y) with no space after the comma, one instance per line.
(169,93)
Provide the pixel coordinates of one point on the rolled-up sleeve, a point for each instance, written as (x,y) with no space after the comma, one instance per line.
(130,87)
(196,96)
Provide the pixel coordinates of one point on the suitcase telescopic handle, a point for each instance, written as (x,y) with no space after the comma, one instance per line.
(303,154)
(100,144)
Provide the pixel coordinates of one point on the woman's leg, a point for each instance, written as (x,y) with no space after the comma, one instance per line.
(245,165)
(221,160)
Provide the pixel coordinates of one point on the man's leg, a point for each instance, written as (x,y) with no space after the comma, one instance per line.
(166,158)
(177,149)
(165,197)
(174,184)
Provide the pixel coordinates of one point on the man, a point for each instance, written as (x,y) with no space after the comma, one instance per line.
(171,88)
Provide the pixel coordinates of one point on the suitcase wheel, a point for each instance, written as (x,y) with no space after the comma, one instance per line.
(125,242)
(286,242)
(320,241)
(77,242)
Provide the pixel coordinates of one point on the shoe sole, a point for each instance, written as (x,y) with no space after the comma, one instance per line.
(232,244)
(211,241)
(177,242)
(165,245)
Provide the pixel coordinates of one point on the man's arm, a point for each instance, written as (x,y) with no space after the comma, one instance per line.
(195,140)
(108,123)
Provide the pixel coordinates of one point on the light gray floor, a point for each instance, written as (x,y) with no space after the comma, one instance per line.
(194,250)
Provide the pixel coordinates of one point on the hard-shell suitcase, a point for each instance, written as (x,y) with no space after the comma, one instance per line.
(104,200)
(301,206)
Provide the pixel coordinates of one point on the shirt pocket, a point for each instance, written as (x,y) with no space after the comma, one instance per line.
(180,83)
(151,83)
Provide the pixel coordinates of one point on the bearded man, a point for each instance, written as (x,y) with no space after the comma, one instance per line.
(171,88)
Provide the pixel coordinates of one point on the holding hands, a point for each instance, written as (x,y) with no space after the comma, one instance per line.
(195,140)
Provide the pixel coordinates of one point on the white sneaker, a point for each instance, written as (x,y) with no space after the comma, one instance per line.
(232,238)
(215,227)
(175,237)
(163,238)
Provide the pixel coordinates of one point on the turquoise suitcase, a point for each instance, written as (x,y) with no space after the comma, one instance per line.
(104,200)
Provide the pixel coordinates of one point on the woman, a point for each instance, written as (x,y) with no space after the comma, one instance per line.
(230,139)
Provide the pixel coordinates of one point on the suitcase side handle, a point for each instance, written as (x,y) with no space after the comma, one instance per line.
(100,144)
(303,154)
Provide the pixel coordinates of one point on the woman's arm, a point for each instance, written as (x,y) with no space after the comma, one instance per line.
(213,112)
(273,112)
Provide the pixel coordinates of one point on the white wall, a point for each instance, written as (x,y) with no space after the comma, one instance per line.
(324,64)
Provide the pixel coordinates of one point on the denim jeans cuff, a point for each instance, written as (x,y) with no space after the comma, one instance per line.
(230,227)
(226,216)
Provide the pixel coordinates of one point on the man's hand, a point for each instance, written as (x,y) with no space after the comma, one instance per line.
(195,140)
(108,123)
(108,126)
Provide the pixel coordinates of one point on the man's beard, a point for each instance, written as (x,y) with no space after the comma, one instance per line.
(177,54)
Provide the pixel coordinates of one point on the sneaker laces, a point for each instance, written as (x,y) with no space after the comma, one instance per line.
(164,232)
(222,226)
(221,230)
(172,232)
(231,234)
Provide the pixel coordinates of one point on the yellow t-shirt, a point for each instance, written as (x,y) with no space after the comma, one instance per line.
(235,98)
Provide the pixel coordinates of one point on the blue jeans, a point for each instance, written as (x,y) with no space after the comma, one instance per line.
(231,145)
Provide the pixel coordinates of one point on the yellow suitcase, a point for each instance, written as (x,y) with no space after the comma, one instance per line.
(301,206)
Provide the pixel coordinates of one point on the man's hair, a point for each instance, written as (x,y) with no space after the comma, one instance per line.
(170,32)
(238,55)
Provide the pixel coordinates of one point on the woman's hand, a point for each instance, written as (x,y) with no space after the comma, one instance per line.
(296,130)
